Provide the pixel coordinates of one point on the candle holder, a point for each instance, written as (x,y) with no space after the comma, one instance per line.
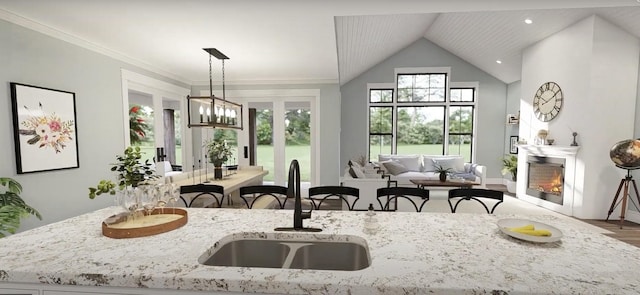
(574,143)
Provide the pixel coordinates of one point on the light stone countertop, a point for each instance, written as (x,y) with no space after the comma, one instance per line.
(411,253)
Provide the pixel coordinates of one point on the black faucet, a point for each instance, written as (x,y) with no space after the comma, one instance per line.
(293,191)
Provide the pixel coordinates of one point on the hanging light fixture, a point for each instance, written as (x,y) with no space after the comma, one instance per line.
(211,111)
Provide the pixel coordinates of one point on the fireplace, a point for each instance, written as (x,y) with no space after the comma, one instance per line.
(561,161)
(545,178)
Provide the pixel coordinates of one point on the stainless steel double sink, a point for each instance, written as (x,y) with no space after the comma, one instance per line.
(340,252)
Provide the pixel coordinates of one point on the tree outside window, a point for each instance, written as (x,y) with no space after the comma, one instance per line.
(422,120)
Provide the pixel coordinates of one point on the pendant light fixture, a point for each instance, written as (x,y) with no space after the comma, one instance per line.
(211,111)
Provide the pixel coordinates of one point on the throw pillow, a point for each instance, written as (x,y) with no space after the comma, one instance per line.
(384,158)
(411,162)
(466,176)
(471,168)
(359,173)
(352,173)
(395,168)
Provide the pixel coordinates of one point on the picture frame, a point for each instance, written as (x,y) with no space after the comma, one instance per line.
(513,144)
(45,128)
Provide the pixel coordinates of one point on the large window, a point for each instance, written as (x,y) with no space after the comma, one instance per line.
(421,118)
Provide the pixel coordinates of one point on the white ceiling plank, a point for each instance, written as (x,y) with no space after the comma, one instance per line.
(287,41)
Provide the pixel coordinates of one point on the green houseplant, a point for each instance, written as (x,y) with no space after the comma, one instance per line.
(218,152)
(131,172)
(510,166)
(442,172)
(12,207)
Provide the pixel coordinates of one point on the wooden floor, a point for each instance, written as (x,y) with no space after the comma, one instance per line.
(630,232)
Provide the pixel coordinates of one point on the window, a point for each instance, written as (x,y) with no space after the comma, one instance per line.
(380,122)
(461,130)
(421,119)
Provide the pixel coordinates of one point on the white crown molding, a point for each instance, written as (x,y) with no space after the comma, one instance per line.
(267,82)
(143,80)
(55,33)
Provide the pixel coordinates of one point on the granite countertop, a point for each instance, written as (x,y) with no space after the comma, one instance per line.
(411,253)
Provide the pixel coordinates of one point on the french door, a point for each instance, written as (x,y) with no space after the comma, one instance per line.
(286,123)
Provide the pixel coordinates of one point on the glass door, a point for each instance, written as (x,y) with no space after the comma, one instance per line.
(149,133)
(141,124)
(264,138)
(297,135)
(283,133)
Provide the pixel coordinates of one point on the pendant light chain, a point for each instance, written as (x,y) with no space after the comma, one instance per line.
(223,90)
(210,78)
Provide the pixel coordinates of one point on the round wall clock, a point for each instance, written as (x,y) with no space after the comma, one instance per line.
(547,101)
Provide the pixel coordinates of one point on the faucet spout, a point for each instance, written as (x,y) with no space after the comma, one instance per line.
(293,191)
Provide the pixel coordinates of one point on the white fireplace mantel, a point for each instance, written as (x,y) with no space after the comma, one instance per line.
(548,150)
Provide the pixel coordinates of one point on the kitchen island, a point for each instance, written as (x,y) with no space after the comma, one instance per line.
(411,253)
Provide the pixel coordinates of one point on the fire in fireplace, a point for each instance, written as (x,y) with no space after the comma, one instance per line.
(545,178)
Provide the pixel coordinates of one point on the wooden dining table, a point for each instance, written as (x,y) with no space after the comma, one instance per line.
(231,182)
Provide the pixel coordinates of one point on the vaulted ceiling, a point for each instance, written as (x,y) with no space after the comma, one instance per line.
(286,41)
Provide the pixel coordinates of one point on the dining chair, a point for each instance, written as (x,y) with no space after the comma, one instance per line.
(202,195)
(347,195)
(251,194)
(390,195)
(479,195)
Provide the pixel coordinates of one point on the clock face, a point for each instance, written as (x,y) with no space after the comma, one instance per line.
(547,101)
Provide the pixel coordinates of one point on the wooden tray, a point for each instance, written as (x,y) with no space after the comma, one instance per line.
(118,227)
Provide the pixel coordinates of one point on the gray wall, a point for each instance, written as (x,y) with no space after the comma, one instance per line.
(32,58)
(512,107)
(423,53)
(329,124)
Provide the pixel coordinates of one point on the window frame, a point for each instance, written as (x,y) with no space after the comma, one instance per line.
(370,104)
(447,104)
(472,105)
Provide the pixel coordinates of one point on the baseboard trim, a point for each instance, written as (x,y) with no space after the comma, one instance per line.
(633,216)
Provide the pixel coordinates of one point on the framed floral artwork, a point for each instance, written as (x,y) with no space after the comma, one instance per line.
(44,125)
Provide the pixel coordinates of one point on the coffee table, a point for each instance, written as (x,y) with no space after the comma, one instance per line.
(422,183)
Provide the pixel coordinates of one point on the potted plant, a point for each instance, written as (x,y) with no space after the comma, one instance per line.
(12,207)
(510,166)
(442,172)
(131,172)
(218,152)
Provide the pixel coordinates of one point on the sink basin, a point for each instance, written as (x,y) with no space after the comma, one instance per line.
(320,252)
(250,253)
(331,256)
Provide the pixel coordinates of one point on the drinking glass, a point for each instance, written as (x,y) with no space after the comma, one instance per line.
(148,197)
(130,200)
(163,195)
(174,195)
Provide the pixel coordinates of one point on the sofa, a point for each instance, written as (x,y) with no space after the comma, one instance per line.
(398,170)
(403,168)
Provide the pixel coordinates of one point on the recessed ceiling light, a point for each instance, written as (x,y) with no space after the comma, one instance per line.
(528,21)
(498,61)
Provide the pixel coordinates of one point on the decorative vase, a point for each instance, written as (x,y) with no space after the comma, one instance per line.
(443,176)
(217,172)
